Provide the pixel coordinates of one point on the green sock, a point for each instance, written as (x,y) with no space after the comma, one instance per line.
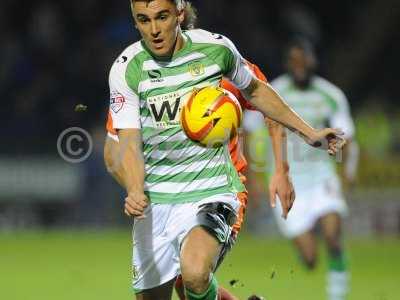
(337,278)
(209,294)
(338,263)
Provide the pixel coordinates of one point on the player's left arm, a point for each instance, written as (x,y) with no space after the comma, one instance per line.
(267,101)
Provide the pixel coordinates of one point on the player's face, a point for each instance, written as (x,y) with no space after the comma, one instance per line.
(300,66)
(158,22)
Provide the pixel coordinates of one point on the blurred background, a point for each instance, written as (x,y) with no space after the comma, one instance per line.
(63,212)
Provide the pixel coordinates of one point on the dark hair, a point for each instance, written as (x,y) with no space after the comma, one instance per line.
(179,3)
(190,20)
(190,12)
(300,43)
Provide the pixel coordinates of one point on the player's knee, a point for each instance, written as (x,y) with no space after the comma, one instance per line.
(196,277)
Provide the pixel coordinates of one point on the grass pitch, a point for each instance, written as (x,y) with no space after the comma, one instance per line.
(76,265)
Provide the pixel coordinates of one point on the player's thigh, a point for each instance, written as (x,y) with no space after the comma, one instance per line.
(306,245)
(163,292)
(199,251)
(203,243)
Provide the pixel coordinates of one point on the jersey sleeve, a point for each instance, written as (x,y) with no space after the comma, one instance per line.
(341,117)
(124,102)
(242,100)
(259,75)
(109,124)
(237,71)
(257,71)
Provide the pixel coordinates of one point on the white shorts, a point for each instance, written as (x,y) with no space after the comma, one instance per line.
(157,239)
(311,204)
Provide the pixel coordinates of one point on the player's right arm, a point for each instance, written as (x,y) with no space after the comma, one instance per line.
(112,160)
(125,117)
(132,164)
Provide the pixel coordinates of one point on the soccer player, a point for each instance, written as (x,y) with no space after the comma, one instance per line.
(281,185)
(318,192)
(182,196)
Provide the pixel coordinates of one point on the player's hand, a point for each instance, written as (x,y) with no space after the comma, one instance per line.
(281,185)
(328,139)
(135,204)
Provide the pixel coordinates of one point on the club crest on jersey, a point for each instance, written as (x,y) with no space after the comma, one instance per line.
(116,101)
(196,69)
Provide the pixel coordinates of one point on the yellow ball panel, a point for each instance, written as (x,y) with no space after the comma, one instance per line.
(211,117)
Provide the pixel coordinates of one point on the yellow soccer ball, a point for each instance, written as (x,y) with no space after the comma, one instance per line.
(211,116)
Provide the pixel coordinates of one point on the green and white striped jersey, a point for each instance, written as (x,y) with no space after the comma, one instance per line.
(322,104)
(148,94)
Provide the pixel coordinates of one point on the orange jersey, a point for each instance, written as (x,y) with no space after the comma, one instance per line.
(109,125)
(238,159)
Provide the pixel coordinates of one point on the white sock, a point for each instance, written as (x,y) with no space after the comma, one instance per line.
(337,285)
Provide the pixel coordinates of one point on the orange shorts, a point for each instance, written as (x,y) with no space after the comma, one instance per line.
(243,197)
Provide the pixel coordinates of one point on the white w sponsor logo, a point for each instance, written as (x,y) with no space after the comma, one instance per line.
(165,110)
(159,113)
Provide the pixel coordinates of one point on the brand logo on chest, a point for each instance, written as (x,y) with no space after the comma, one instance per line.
(155,76)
